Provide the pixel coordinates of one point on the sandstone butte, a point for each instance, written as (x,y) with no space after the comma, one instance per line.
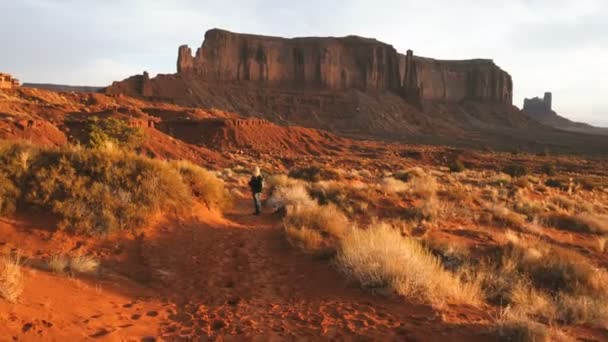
(357,88)
(350,62)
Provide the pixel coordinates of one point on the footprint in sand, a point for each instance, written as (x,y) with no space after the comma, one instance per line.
(100,333)
(152,314)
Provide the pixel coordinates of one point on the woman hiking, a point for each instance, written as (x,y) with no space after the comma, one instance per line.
(256,183)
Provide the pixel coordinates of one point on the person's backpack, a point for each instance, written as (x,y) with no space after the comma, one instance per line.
(257,184)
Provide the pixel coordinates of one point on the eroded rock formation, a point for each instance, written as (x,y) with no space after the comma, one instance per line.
(537,104)
(341,63)
(351,85)
(7,81)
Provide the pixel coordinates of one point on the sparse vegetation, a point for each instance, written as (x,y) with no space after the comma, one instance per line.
(584,222)
(84,264)
(59,264)
(515,170)
(101,132)
(11,279)
(381,258)
(314,173)
(315,228)
(97,191)
(457,166)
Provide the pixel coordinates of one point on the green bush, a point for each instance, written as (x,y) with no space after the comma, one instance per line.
(97,191)
(515,170)
(100,132)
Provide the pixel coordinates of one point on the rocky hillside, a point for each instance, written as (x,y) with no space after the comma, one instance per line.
(541,110)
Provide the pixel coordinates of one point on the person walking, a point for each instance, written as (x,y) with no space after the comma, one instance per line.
(256,184)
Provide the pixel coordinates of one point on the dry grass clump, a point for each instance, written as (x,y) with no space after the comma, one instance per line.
(62,264)
(457,193)
(541,282)
(521,329)
(11,281)
(314,173)
(284,196)
(563,202)
(407,175)
(584,222)
(8,196)
(59,263)
(503,216)
(350,198)
(204,185)
(84,264)
(528,207)
(97,191)
(393,185)
(423,186)
(500,179)
(579,309)
(380,257)
(315,228)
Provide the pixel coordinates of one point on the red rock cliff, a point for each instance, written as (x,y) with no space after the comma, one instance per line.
(331,63)
(320,64)
(454,81)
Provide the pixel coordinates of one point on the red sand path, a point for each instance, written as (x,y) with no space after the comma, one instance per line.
(235,277)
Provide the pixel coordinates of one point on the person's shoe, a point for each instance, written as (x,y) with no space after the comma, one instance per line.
(256,214)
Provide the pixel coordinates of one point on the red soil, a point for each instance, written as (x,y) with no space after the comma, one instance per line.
(208,276)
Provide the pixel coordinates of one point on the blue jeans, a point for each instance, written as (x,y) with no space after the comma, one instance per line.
(257,202)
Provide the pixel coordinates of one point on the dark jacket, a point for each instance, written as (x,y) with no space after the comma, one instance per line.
(256,183)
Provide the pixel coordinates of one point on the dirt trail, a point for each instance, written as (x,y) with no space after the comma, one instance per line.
(211,278)
(242,279)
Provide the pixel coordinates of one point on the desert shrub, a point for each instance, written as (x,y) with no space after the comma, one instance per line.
(306,239)
(503,216)
(314,173)
(528,207)
(515,170)
(563,202)
(100,132)
(456,166)
(456,193)
(315,228)
(59,263)
(548,169)
(500,179)
(96,191)
(380,257)
(593,182)
(393,185)
(11,282)
(63,263)
(9,193)
(577,309)
(521,329)
(83,264)
(583,222)
(283,196)
(204,185)
(350,199)
(521,182)
(558,183)
(407,175)
(423,186)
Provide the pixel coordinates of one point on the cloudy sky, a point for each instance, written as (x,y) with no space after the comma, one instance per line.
(546,45)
